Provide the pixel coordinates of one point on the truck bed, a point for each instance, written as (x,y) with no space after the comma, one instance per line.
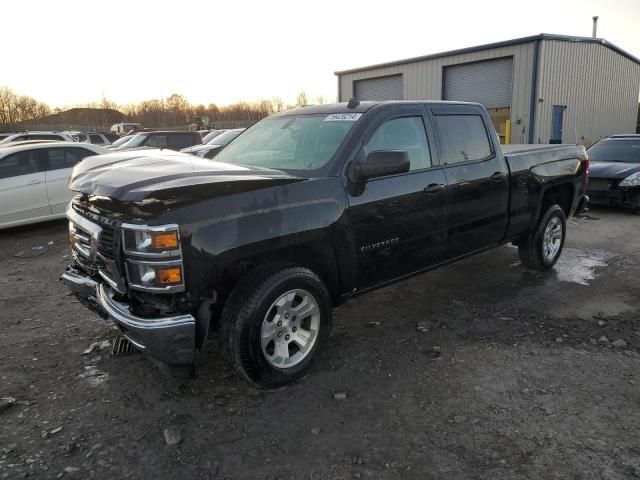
(534,169)
(525,157)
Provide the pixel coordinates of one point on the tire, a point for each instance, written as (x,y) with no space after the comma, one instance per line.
(537,253)
(251,315)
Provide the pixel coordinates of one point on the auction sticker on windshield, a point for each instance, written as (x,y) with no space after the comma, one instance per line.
(342,117)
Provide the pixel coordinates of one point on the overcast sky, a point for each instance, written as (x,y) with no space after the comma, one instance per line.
(71,52)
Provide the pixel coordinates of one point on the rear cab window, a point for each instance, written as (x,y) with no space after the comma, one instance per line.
(464,138)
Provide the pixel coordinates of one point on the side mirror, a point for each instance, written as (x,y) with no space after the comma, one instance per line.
(379,163)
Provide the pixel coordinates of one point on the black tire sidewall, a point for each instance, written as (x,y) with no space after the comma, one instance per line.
(260,370)
(553,211)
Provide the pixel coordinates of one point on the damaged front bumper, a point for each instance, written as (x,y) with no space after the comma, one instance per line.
(616,197)
(168,339)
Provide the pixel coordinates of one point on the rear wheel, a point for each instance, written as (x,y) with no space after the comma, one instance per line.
(544,246)
(274,323)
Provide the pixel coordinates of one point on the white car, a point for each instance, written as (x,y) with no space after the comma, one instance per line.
(18,137)
(33,180)
(124,128)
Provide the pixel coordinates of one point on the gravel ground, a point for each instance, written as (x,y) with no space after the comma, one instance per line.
(480,370)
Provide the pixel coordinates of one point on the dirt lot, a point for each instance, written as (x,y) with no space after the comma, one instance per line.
(479,370)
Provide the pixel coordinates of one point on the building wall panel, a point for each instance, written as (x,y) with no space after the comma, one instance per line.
(599,87)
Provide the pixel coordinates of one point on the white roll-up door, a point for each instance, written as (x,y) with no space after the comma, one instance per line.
(487,82)
(381,88)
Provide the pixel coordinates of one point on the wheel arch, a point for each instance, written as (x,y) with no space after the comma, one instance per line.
(318,256)
(561,194)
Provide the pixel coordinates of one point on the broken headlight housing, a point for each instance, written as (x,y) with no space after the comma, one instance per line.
(632,180)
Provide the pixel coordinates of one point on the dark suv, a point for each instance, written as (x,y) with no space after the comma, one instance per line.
(162,139)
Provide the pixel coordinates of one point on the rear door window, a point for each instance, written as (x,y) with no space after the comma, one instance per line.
(20,163)
(66,157)
(96,139)
(464,138)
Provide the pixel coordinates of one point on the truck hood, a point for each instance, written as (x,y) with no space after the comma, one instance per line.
(136,176)
(612,169)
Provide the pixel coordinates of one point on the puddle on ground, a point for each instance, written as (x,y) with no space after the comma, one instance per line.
(579,266)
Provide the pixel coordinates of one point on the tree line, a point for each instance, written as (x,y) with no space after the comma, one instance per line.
(172,111)
(16,108)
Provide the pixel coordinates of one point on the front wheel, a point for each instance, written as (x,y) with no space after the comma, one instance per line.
(274,323)
(544,246)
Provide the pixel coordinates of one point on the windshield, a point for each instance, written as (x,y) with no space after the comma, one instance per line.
(137,140)
(122,141)
(615,151)
(225,137)
(300,142)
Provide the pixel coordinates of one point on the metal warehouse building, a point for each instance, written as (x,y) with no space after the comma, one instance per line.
(539,89)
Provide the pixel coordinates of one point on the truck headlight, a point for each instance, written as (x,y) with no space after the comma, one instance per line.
(153,258)
(632,180)
(153,241)
(155,276)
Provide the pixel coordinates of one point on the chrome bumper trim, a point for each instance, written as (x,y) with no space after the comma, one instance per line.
(79,284)
(171,340)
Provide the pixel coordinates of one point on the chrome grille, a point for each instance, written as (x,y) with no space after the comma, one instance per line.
(83,235)
(80,239)
(94,242)
(106,242)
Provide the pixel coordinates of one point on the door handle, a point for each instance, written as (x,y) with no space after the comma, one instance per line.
(434,188)
(497,176)
(34,182)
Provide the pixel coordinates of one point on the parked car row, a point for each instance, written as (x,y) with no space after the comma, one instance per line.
(95,138)
(216,143)
(137,138)
(171,140)
(33,179)
(35,166)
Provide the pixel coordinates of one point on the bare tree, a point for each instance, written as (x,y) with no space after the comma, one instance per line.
(301,99)
(16,108)
(157,112)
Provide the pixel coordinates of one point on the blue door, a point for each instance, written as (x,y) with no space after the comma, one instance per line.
(556,124)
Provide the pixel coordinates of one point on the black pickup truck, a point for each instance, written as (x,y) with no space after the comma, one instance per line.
(304,210)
